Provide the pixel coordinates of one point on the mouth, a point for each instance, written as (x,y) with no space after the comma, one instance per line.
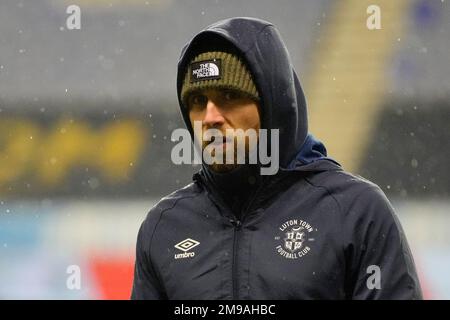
(219,141)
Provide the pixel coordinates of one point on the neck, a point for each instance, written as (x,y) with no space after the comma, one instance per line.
(236,187)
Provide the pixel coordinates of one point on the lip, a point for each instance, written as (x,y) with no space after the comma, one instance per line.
(219,143)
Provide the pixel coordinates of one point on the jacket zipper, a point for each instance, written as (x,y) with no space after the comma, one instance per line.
(237,223)
(237,227)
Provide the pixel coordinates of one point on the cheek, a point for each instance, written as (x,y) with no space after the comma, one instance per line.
(192,117)
(256,120)
(250,118)
(196,116)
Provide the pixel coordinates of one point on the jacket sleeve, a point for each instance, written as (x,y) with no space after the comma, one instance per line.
(379,262)
(146,285)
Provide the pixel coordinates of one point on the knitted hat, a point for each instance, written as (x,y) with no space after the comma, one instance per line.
(216,69)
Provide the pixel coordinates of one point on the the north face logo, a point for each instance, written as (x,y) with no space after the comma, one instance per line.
(206,70)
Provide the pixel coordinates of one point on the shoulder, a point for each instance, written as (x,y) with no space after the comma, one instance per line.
(341,182)
(356,196)
(168,205)
(366,214)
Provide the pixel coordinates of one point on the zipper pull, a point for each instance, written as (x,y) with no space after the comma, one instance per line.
(236,222)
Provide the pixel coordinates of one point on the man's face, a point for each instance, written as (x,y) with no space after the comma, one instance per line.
(223,109)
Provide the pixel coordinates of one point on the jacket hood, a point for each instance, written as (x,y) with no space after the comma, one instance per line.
(282,102)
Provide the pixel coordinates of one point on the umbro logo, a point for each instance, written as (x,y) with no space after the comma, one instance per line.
(185,246)
(205,70)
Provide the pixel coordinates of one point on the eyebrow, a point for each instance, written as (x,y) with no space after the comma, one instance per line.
(194,92)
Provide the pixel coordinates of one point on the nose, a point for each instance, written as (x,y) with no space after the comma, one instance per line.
(213,116)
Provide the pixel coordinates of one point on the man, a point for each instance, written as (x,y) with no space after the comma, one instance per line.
(308,231)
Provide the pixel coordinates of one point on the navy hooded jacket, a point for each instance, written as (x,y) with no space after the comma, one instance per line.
(311,231)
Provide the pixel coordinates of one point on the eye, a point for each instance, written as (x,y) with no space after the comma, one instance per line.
(197,101)
(230,95)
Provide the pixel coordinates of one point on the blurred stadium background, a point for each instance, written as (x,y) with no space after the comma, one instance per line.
(86,117)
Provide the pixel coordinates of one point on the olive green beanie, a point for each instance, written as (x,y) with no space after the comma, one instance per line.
(217,69)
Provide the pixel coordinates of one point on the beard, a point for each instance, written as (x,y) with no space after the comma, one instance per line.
(236,148)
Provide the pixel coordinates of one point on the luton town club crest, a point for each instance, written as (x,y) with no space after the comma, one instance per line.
(295,239)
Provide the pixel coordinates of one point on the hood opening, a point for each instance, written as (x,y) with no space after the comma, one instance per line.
(282,101)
